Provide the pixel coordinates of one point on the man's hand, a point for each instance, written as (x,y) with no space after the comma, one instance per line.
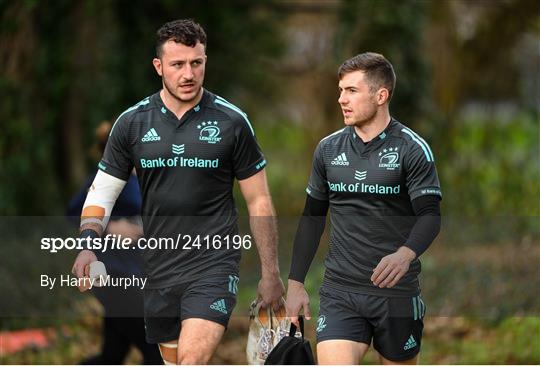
(271,291)
(392,267)
(81,267)
(297,299)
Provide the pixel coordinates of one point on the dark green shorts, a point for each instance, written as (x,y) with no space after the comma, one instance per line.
(212,298)
(394,324)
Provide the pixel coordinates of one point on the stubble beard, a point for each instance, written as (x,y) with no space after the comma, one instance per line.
(172,92)
(366,119)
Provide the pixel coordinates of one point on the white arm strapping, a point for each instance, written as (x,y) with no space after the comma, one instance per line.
(102,193)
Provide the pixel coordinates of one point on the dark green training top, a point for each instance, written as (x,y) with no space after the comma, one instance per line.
(186,169)
(370,188)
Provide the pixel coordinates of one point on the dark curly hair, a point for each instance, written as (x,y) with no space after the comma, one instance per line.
(185,31)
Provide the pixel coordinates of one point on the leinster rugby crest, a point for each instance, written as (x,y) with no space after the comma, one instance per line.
(209,132)
(388,158)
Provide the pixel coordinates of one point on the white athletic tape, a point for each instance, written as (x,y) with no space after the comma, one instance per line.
(98,271)
(103,193)
(91,221)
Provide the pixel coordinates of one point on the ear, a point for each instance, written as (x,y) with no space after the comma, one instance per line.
(158,66)
(382,96)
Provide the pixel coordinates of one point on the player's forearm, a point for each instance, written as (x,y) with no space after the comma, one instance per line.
(308,236)
(427,226)
(264,229)
(306,243)
(423,233)
(99,202)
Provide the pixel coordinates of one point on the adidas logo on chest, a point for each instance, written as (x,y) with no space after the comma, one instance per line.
(151,135)
(341,159)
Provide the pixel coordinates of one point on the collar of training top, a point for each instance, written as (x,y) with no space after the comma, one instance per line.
(206,100)
(387,131)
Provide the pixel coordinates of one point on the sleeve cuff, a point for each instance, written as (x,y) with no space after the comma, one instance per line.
(251,170)
(111,170)
(316,194)
(296,277)
(411,247)
(425,191)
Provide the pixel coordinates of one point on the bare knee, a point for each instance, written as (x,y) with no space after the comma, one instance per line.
(340,352)
(198,341)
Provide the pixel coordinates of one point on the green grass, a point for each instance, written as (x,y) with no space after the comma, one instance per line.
(446,341)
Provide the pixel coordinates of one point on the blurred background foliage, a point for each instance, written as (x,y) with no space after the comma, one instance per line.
(468,81)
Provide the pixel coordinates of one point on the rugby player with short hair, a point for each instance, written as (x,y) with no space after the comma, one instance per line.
(187,146)
(378,179)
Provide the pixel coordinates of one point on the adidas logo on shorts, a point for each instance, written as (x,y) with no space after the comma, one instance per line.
(341,159)
(411,343)
(151,135)
(219,306)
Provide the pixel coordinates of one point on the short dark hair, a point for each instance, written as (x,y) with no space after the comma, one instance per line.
(185,31)
(378,70)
